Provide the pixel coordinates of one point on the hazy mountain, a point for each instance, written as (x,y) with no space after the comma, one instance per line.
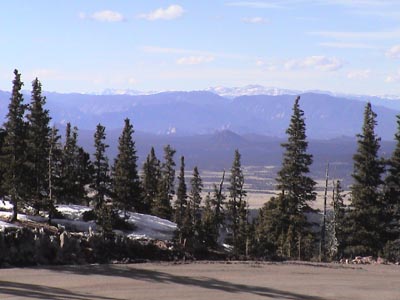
(215,151)
(250,90)
(201,112)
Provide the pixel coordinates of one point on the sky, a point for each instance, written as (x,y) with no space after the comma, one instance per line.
(346,46)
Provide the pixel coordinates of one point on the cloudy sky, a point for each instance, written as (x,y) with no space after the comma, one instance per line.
(350,46)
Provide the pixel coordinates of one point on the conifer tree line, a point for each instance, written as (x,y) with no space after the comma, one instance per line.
(40,169)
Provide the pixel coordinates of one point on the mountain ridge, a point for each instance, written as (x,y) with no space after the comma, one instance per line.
(204,112)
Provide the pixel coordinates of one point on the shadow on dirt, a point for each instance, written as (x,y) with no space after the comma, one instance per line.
(34,291)
(132,272)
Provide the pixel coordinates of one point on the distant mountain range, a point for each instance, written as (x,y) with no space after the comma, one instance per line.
(205,112)
(206,127)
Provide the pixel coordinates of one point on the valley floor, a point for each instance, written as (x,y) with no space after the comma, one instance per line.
(204,280)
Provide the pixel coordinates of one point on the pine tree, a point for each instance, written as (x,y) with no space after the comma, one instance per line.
(236,206)
(367,206)
(166,189)
(181,196)
(54,169)
(191,230)
(126,182)
(3,134)
(151,177)
(76,169)
(339,220)
(218,203)
(296,188)
(392,192)
(69,166)
(213,215)
(84,172)
(195,198)
(101,177)
(38,147)
(14,149)
(268,229)
(209,227)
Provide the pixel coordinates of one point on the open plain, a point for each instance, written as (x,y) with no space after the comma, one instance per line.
(204,280)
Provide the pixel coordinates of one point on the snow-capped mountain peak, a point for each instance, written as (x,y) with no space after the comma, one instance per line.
(250,90)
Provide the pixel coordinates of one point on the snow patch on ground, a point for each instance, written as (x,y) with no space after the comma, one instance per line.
(146,226)
(72,212)
(75,225)
(7,225)
(153,227)
(5,205)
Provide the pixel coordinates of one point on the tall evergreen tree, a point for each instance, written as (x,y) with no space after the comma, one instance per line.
(166,189)
(269,226)
(213,215)
(14,148)
(195,198)
(209,227)
(180,204)
(367,206)
(54,169)
(236,206)
(84,172)
(3,134)
(68,166)
(101,177)
(218,202)
(38,146)
(296,189)
(126,184)
(339,220)
(151,177)
(392,192)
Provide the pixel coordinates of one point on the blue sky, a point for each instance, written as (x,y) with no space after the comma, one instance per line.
(350,46)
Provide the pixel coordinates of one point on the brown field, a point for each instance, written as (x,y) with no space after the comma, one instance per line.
(221,281)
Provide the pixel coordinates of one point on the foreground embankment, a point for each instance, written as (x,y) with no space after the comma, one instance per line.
(205,280)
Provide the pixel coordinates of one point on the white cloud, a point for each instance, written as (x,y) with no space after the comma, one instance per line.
(362,3)
(265,65)
(82,15)
(352,35)
(342,45)
(260,62)
(394,52)
(103,16)
(254,20)
(291,3)
(254,4)
(191,52)
(166,50)
(171,12)
(132,81)
(194,60)
(359,74)
(393,77)
(318,62)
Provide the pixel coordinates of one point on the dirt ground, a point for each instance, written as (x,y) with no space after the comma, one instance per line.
(220,281)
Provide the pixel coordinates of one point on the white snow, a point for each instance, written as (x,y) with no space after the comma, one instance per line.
(75,225)
(72,212)
(7,225)
(250,90)
(146,226)
(152,227)
(5,205)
